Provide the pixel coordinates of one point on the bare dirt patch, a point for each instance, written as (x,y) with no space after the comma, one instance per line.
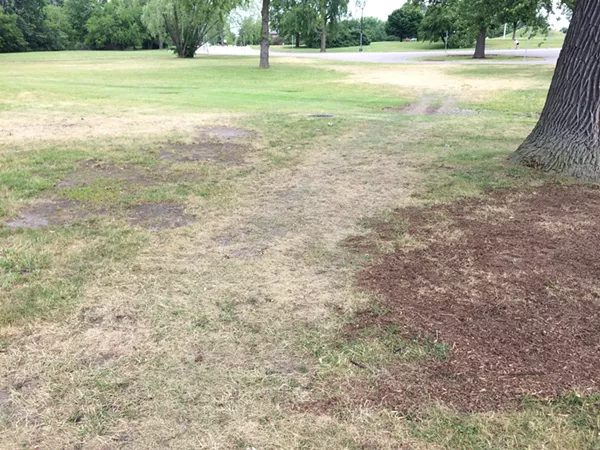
(225,133)
(516,299)
(210,151)
(91,171)
(426,108)
(50,212)
(159,216)
(152,216)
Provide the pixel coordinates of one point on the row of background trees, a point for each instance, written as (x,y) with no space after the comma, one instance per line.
(32,25)
(35,25)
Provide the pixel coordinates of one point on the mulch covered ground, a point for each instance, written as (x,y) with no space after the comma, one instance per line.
(510,283)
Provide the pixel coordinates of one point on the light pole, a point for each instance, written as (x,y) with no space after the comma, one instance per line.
(361,4)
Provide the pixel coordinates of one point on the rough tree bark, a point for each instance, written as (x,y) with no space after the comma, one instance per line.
(566,139)
(480,46)
(324,36)
(264,41)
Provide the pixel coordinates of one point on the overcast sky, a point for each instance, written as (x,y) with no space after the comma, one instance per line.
(377,8)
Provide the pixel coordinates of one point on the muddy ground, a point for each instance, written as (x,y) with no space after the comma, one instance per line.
(510,284)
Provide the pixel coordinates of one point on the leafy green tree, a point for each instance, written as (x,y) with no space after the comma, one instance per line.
(31,18)
(154,22)
(295,18)
(78,13)
(114,25)
(480,15)
(187,22)
(440,21)
(468,20)
(60,33)
(345,34)
(11,36)
(405,22)
(373,28)
(328,13)
(249,33)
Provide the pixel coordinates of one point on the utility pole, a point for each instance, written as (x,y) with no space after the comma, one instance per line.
(361,4)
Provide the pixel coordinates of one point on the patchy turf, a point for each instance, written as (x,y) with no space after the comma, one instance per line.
(92,171)
(49,212)
(159,215)
(219,152)
(213,144)
(124,329)
(508,283)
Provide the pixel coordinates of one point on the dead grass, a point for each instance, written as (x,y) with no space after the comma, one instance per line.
(64,127)
(439,79)
(240,302)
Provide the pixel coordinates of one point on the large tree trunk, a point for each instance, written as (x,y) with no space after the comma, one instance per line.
(480,47)
(297,40)
(514,31)
(566,139)
(324,36)
(264,41)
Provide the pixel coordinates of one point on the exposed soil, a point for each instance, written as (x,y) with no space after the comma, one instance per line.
(212,145)
(152,216)
(210,151)
(50,212)
(510,283)
(92,171)
(159,216)
(225,133)
(426,108)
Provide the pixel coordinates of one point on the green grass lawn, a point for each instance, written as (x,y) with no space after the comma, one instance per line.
(124,80)
(190,288)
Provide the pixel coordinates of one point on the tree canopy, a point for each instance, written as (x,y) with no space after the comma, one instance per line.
(404,23)
(467,21)
(28,25)
(116,24)
(186,22)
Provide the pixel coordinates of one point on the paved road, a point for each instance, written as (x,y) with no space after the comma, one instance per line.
(550,56)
